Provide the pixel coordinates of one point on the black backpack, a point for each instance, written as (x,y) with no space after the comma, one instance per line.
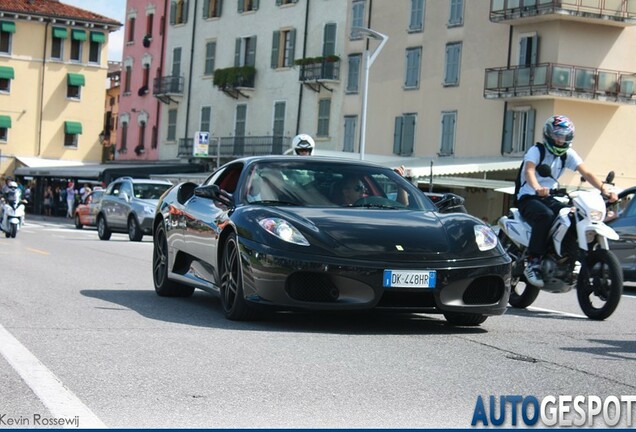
(541,148)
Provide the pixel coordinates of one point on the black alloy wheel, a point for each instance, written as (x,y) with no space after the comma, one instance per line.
(103,232)
(234,305)
(164,287)
(134,231)
(600,284)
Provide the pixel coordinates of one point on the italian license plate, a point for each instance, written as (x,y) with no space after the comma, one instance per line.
(409,278)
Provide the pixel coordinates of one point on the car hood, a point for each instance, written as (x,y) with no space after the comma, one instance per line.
(150,202)
(393,235)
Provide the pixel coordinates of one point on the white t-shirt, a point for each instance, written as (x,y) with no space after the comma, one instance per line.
(572,161)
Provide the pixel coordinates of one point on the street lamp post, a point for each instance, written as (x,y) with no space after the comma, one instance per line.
(369,59)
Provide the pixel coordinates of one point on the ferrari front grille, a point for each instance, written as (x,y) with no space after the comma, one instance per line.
(484,290)
(312,287)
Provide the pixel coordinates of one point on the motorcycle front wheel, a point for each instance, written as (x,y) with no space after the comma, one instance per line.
(600,284)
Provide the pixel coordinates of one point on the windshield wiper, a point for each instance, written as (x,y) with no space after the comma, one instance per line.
(380,206)
(275,202)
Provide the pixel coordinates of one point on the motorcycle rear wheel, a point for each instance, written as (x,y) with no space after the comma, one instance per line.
(13,230)
(600,284)
(522,294)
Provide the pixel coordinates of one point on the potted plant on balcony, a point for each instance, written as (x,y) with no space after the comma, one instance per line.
(146,41)
(332,58)
(240,76)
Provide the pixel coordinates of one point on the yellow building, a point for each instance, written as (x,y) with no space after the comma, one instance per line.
(53,67)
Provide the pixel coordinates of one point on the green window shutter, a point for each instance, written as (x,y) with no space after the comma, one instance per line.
(72,128)
(98,37)
(251,52)
(219,7)
(275,44)
(292,46)
(185,11)
(532,114)
(506,143)
(206,9)
(397,135)
(75,79)
(60,33)
(7,26)
(240,6)
(255,5)
(237,53)
(6,72)
(278,2)
(78,35)
(173,12)
(5,122)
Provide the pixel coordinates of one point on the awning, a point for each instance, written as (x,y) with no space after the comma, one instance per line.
(5,121)
(7,26)
(78,35)
(36,162)
(72,128)
(75,79)
(98,37)
(6,72)
(467,182)
(60,33)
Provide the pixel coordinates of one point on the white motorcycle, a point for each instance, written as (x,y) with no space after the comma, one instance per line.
(13,212)
(578,255)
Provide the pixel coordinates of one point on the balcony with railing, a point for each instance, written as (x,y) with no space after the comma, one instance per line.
(550,80)
(620,13)
(234,81)
(229,148)
(164,88)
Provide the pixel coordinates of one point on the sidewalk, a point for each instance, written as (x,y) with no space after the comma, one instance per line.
(61,220)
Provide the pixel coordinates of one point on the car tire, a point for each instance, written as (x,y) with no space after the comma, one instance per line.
(165,287)
(103,232)
(134,231)
(464,319)
(78,223)
(234,304)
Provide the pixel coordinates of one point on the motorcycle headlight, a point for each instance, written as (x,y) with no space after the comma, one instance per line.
(283,230)
(596,216)
(485,237)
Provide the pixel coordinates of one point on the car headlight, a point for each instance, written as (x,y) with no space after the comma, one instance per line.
(283,230)
(596,216)
(149,210)
(485,237)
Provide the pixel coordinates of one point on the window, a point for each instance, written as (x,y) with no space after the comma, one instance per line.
(412,78)
(72,130)
(353,77)
(416,18)
(206,119)
(57,42)
(518,130)
(77,41)
(172,125)
(453,61)
(278,127)
(245,51)
(178,12)
(131,30)
(528,46)
(285,2)
(350,125)
(447,146)
(329,70)
(141,145)
(404,135)
(283,45)
(146,80)
(74,82)
(357,17)
(324,108)
(212,8)
(7,28)
(95,47)
(124,137)
(5,125)
(176,62)
(210,54)
(247,5)
(127,79)
(239,129)
(456,15)
(150,18)
(6,75)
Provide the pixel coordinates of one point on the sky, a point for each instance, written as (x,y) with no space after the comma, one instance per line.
(115,9)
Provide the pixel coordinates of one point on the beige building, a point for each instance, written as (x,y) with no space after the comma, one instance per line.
(467,87)
(53,66)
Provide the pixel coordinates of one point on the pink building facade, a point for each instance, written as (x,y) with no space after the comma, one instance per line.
(143,56)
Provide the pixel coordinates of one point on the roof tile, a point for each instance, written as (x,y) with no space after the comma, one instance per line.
(53,9)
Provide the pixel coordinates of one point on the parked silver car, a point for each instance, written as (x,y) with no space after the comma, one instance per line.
(128,206)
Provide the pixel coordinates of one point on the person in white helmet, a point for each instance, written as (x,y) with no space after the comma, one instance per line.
(303,145)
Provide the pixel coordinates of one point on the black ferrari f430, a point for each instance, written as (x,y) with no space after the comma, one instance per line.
(321,234)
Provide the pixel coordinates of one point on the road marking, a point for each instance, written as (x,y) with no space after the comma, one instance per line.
(557,312)
(41,252)
(49,389)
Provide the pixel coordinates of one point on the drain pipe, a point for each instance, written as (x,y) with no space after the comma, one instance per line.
(46,40)
(302,86)
(194,30)
(503,129)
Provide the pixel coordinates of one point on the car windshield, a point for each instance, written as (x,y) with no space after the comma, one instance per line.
(313,183)
(150,191)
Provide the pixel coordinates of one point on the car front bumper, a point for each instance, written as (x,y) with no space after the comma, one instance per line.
(292,281)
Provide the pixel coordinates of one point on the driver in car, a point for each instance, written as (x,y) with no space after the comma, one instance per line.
(349,190)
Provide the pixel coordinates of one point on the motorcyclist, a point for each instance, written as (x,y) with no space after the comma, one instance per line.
(303,145)
(10,194)
(536,205)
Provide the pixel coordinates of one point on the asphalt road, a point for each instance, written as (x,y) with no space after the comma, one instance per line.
(83,336)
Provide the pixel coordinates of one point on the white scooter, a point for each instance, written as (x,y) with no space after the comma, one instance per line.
(578,255)
(13,212)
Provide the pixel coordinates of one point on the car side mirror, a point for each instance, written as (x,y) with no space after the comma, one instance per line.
(451,203)
(213,192)
(610,178)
